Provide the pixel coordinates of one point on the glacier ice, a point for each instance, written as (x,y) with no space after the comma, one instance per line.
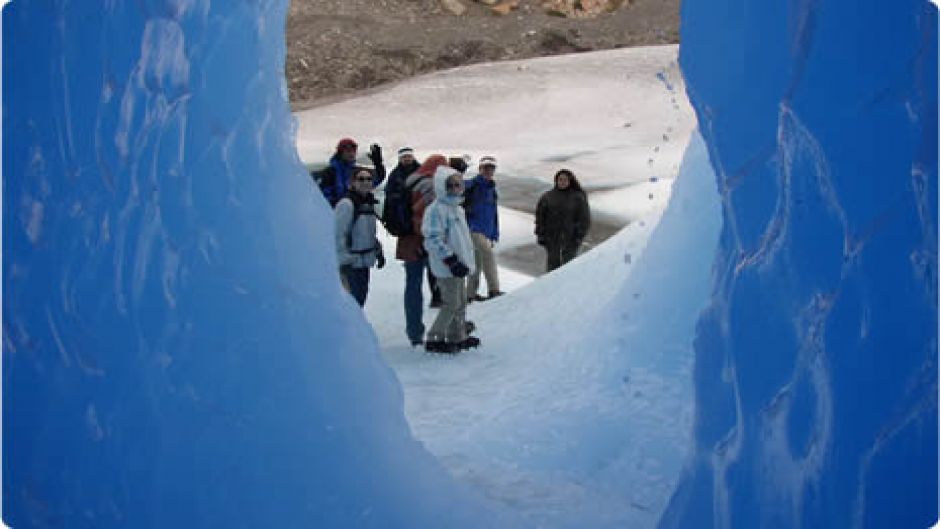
(816,361)
(157,226)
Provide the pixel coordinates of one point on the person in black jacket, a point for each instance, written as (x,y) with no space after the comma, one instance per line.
(562,219)
(396,192)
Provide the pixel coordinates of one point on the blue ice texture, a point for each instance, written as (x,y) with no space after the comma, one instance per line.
(177,351)
(816,361)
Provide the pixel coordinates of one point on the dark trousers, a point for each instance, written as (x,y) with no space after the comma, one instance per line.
(356,280)
(559,253)
(414,299)
(432,282)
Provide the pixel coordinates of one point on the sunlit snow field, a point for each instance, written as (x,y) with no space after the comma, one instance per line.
(553,416)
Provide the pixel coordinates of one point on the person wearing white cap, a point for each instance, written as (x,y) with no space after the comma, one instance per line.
(483,218)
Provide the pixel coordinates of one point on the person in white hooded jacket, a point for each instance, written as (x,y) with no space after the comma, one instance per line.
(450,255)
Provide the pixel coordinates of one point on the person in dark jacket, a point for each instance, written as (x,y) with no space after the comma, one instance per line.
(483,219)
(357,247)
(407,164)
(395,188)
(334,179)
(410,248)
(562,219)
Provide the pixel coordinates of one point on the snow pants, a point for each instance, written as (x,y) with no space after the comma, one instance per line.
(559,253)
(485,263)
(449,324)
(356,282)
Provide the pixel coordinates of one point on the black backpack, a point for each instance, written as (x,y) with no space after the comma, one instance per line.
(396,211)
(326,180)
(468,199)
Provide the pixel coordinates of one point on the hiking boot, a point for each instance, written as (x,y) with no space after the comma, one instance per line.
(435,303)
(471,341)
(469,326)
(416,343)
(437,346)
(475,297)
(495,294)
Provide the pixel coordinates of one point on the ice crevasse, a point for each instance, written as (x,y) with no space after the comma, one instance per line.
(167,358)
(816,361)
(159,305)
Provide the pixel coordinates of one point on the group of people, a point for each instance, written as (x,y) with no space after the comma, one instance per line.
(446,226)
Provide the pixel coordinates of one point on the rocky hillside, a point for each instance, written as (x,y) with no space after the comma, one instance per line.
(335,47)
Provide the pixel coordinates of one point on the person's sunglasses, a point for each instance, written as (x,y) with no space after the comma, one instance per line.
(454,185)
(365,179)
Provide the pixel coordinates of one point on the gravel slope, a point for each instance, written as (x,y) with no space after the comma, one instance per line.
(336,47)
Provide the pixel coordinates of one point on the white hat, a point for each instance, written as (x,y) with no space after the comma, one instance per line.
(487,160)
(405,150)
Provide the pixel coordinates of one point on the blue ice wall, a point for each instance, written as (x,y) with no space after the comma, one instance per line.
(176,349)
(816,362)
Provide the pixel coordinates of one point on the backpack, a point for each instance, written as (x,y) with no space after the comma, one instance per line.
(397,211)
(467,199)
(326,181)
(358,211)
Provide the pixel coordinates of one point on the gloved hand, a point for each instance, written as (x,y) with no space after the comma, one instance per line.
(380,261)
(456,267)
(458,164)
(375,154)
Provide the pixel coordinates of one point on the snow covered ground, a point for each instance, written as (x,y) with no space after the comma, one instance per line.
(555,416)
(619,119)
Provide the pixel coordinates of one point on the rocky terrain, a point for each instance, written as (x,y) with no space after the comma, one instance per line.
(336,47)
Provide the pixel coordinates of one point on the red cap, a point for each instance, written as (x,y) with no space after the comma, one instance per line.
(346,142)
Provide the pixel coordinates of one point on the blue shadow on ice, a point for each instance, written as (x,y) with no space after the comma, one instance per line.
(166,362)
(176,349)
(816,362)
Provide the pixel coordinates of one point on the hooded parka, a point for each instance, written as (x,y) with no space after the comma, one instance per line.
(445,228)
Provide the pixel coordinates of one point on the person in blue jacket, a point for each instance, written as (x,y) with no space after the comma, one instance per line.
(335,178)
(480,204)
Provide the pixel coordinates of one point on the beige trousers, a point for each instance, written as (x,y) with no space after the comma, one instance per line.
(449,324)
(485,263)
